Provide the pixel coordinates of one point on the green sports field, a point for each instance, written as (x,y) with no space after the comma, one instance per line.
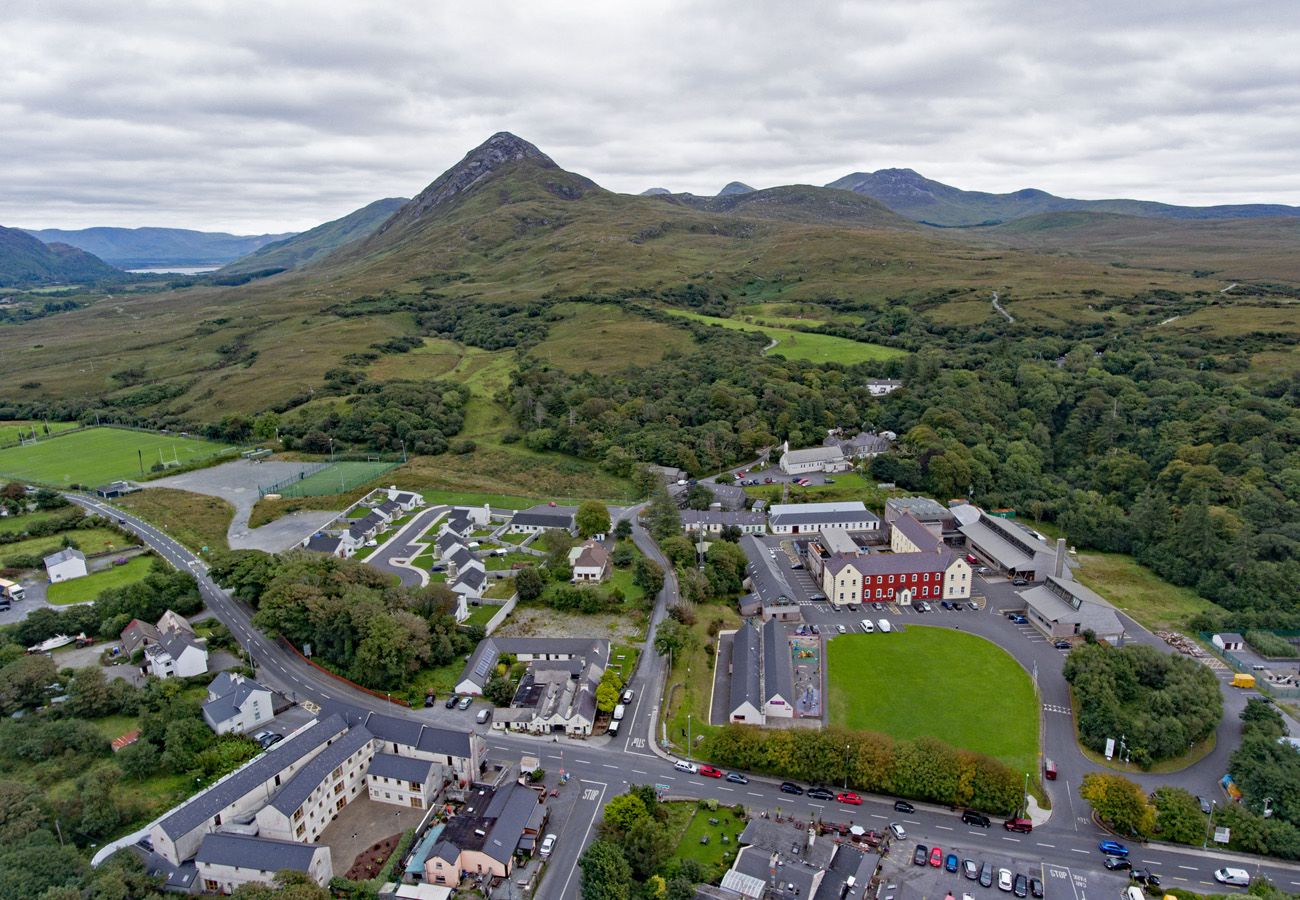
(11,432)
(99,455)
(338,478)
(936,682)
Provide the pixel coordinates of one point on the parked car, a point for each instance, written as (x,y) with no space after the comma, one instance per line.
(950,862)
(920,855)
(841,629)
(820,793)
(944,604)
(548,844)
(1018,619)
(850,798)
(916,605)
(903,806)
(1145,877)
(1113,848)
(1117,863)
(971,558)
(796,565)
(272,741)
(1062,645)
(1035,888)
(789,787)
(970,817)
(737,778)
(970,869)
(1021,886)
(689,768)
(710,771)
(1019,582)
(899,831)
(451,701)
(484,716)
(627,697)
(986,875)
(262,735)
(465,702)
(878,607)
(925,607)
(1205,805)
(958,607)
(815,629)
(936,857)
(1004,879)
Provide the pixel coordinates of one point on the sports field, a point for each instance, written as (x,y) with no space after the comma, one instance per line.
(99,455)
(12,432)
(338,478)
(936,682)
(815,348)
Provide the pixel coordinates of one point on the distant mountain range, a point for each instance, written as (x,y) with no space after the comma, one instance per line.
(139,248)
(25,261)
(800,203)
(911,194)
(301,249)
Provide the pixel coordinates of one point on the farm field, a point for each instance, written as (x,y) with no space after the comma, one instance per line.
(80,590)
(816,348)
(902,684)
(10,432)
(100,455)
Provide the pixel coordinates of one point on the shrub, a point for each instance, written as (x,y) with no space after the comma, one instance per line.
(1266,643)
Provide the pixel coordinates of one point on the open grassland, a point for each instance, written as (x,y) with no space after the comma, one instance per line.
(1139,592)
(689,688)
(196,520)
(11,432)
(1225,319)
(935,682)
(100,455)
(88,540)
(605,338)
(81,590)
(27,521)
(815,348)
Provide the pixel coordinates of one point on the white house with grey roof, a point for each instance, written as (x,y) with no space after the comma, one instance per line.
(406,500)
(317,792)
(814,459)
(237,704)
(762,674)
(404,780)
(746,695)
(67,564)
(543,517)
(176,654)
(329,544)
(806,518)
(712,521)
(227,861)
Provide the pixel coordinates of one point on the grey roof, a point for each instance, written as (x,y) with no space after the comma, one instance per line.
(391,507)
(731,496)
(778,669)
(323,543)
(767,580)
(825,517)
(460,522)
(298,788)
(461,556)
(447,540)
(472,578)
(403,768)
(479,667)
(425,738)
(230,695)
(866,442)
(63,556)
(177,641)
(918,534)
(248,852)
(756,863)
(546,516)
(745,687)
(721,517)
(923,508)
(512,809)
(1231,637)
(893,563)
(1052,601)
(1009,548)
(202,807)
(814,454)
(404,497)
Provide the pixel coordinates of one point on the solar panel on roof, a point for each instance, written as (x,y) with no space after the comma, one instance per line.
(484,665)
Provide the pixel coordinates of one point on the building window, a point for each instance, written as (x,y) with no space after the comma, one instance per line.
(338,773)
(297,814)
(301,829)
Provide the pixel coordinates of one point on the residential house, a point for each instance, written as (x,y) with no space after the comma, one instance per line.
(137,635)
(404,780)
(668,474)
(390,510)
(237,704)
(329,544)
(227,861)
(177,654)
(804,518)
(407,500)
(713,521)
(482,662)
(879,387)
(731,497)
(65,565)
(813,459)
(494,828)
(543,517)
(771,866)
(589,562)
(314,795)
(863,445)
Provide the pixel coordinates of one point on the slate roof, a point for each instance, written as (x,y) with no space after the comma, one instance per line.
(309,777)
(446,541)
(460,522)
(390,508)
(591,556)
(745,686)
(814,454)
(866,442)
(546,516)
(778,669)
(479,667)
(1049,600)
(248,852)
(512,809)
(893,563)
(404,498)
(202,807)
(403,768)
(824,517)
(922,508)
(767,580)
(230,693)
(323,543)
(136,633)
(918,534)
(64,555)
(425,738)
(177,642)
(461,556)
(721,517)
(471,578)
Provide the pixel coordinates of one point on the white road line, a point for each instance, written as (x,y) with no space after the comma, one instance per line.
(1188,868)
(1077,850)
(721,788)
(608,766)
(585,762)
(1053,846)
(752,794)
(944,827)
(639,772)
(817,805)
(1154,862)
(1016,840)
(878,816)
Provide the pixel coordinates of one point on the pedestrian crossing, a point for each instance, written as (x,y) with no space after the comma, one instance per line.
(1053,708)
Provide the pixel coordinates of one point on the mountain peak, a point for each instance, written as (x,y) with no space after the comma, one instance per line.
(735,187)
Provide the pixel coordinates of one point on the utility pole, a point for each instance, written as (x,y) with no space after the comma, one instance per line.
(846,767)
(1209,824)
(688,734)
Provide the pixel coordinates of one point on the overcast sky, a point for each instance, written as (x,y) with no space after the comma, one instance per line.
(275,116)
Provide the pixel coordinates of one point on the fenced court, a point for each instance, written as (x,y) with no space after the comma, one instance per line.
(324,479)
(94,456)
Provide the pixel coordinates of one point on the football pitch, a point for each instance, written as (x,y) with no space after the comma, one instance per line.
(96,456)
(936,682)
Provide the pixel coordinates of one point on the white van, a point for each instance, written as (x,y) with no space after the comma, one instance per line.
(618,712)
(885,627)
(689,768)
(1239,877)
(612,731)
(867,626)
(1133,892)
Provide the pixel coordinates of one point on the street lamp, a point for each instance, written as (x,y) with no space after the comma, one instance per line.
(688,734)
(846,767)
(1209,824)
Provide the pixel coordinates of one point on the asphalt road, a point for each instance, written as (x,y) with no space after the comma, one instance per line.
(601,767)
(404,545)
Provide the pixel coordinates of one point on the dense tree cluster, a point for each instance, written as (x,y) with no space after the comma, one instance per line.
(922,769)
(632,858)
(382,416)
(1159,703)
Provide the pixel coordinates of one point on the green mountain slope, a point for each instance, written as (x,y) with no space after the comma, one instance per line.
(800,203)
(301,249)
(913,195)
(145,247)
(25,261)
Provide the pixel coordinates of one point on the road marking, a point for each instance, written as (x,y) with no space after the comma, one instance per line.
(944,827)
(1188,868)
(1053,846)
(1016,840)
(639,772)
(1077,850)
(608,766)
(817,805)
(1156,862)
(564,890)
(721,788)
(878,816)
(585,762)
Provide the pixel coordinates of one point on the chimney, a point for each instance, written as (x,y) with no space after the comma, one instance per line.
(812,836)
(1060,557)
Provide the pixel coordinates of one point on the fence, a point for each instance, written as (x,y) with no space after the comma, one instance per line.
(280,486)
(1262,684)
(495,622)
(326,478)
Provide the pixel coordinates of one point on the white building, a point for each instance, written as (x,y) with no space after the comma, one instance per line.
(805,518)
(712,521)
(542,517)
(589,562)
(814,459)
(407,500)
(227,861)
(236,704)
(310,799)
(403,780)
(177,654)
(879,387)
(65,565)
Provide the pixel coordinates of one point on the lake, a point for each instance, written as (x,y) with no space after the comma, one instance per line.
(175,270)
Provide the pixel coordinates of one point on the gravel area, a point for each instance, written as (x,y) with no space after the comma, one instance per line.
(540,621)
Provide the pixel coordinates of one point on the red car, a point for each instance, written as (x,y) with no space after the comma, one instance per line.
(710,772)
(970,558)
(850,798)
(936,857)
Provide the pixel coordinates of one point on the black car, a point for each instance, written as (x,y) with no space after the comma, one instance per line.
(1062,645)
(1020,582)
(271,740)
(903,806)
(1021,886)
(986,875)
(820,793)
(1117,863)
(789,787)
(1035,888)
(878,607)
(1146,877)
(451,702)
(916,605)
(958,607)
(921,855)
(970,817)
(946,605)
(737,778)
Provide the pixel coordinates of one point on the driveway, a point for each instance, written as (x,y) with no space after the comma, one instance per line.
(407,544)
(237,483)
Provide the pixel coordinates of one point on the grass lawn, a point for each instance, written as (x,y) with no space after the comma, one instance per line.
(1141,593)
(99,455)
(12,432)
(622,579)
(113,727)
(692,670)
(516,538)
(936,682)
(20,524)
(847,486)
(442,679)
(687,819)
(501,590)
(623,657)
(481,615)
(816,348)
(79,590)
(196,520)
(89,540)
(497,563)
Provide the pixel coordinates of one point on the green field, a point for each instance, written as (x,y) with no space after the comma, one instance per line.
(1141,593)
(11,431)
(936,682)
(99,455)
(80,590)
(816,348)
(88,540)
(339,478)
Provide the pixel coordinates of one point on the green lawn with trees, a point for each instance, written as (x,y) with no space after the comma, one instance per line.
(935,682)
(80,590)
